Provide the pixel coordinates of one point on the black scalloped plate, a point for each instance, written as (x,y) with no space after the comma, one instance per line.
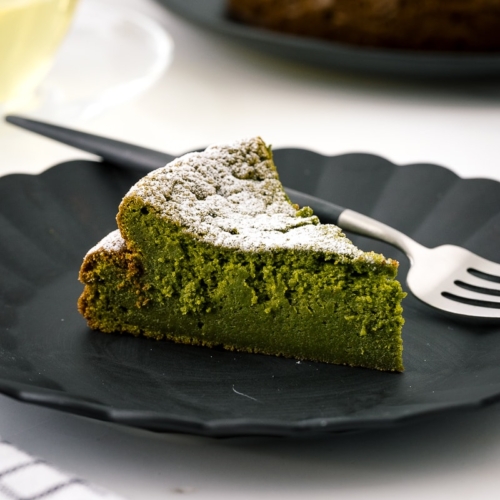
(210,14)
(49,357)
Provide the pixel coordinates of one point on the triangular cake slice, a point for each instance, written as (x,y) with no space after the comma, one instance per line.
(210,251)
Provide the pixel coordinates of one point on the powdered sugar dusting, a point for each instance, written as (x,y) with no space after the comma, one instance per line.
(230,196)
(113,242)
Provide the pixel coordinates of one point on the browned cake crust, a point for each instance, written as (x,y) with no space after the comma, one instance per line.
(444,25)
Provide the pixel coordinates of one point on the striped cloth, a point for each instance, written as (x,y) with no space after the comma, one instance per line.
(23,477)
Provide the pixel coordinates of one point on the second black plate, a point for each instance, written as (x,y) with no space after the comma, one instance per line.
(210,14)
(48,356)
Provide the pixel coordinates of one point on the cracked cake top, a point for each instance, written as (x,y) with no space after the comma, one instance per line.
(231,196)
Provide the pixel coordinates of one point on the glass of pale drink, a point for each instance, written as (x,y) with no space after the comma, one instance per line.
(30,32)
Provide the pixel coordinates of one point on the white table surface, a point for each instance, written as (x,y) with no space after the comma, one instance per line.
(215,91)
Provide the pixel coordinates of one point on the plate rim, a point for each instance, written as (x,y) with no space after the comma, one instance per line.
(166,422)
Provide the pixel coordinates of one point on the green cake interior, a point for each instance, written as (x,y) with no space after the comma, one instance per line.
(167,275)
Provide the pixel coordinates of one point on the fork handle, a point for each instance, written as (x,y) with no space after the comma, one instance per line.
(118,153)
(355,222)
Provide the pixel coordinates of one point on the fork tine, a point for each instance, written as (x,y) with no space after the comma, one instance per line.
(470,279)
(473,295)
(462,308)
(485,266)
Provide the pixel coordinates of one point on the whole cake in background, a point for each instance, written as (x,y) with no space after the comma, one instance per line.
(440,25)
(211,251)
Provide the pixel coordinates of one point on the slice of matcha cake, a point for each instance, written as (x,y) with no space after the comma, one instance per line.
(210,251)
